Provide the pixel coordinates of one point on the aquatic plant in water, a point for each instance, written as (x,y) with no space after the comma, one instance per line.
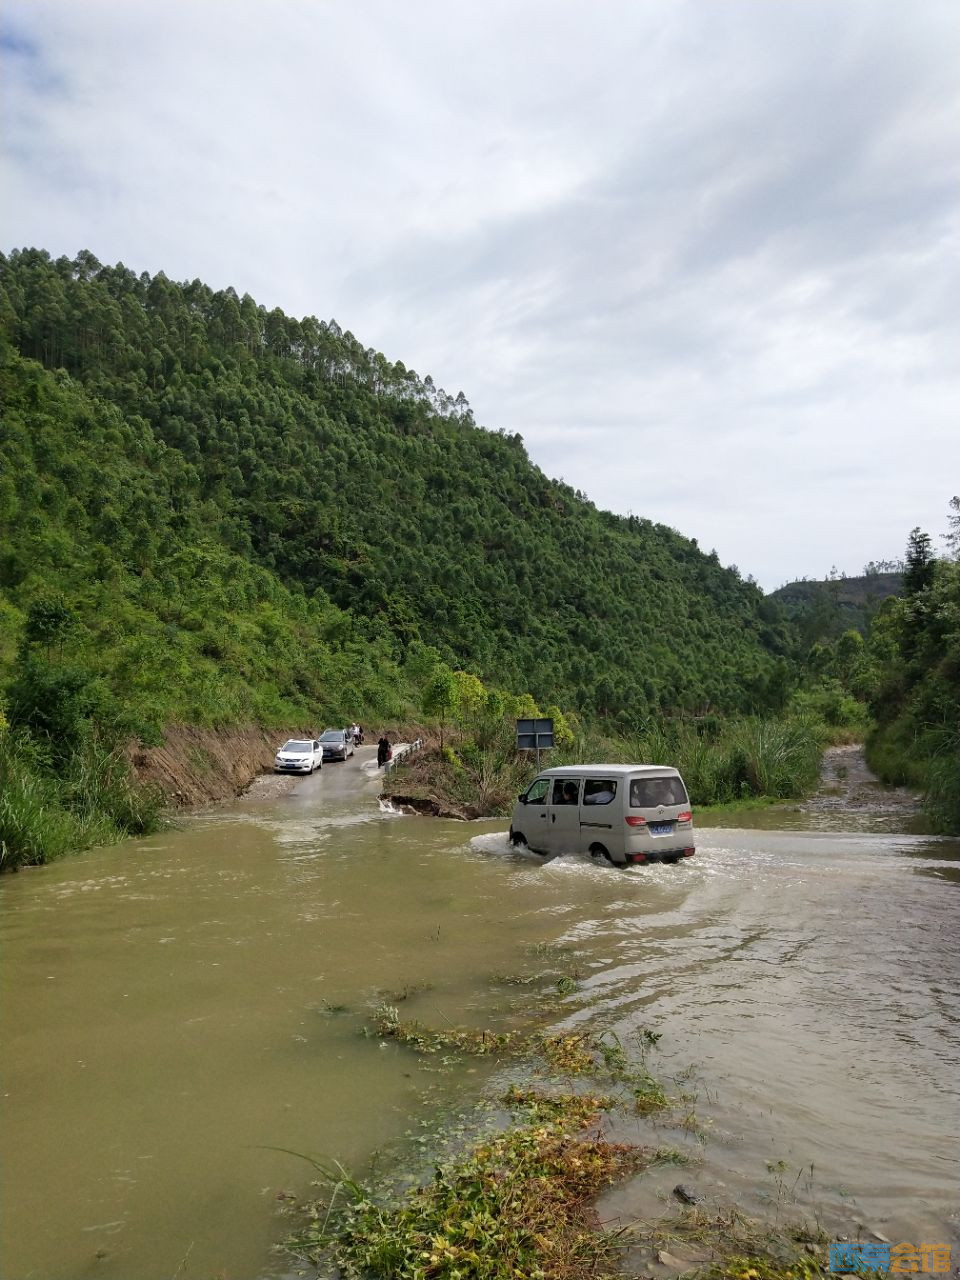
(519,1204)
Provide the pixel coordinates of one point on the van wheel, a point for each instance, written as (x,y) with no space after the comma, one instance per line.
(517,839)
(598,851)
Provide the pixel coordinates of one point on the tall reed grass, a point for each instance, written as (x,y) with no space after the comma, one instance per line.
(722,762)
(101,787)
(943,780)
(927,759)
(34,826)
(736,759)
(45,814)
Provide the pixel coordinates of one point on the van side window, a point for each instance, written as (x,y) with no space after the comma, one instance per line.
(599,790)
(537,791)
(564,791)
(647,793)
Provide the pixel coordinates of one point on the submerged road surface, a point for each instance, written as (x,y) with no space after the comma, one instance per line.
(176,1009)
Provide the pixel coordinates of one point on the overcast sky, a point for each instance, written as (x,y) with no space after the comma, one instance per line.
(703,256)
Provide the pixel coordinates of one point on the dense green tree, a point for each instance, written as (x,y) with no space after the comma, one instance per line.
(919,571)
(952,536)
(440,696)
(48,621)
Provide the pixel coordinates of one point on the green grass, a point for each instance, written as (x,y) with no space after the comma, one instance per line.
(734,806)
(943,794)
(928,761)
(735,762)
(47,811)
(520,1204)
(34,825)
(567,1054)
(739,759)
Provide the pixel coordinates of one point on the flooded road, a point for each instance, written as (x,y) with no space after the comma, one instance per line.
(177,1008)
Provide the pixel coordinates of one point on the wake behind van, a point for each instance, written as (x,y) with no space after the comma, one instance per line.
(626,813)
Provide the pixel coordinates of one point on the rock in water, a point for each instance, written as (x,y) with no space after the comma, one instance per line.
(686,1195)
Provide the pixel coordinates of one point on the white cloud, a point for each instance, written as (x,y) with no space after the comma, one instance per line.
(703,257)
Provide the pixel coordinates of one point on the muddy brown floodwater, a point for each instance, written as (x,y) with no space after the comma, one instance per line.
(176,1009)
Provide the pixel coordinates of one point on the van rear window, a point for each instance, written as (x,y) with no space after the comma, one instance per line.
(647,793)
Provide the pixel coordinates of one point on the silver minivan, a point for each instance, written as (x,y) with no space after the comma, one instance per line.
(626,813)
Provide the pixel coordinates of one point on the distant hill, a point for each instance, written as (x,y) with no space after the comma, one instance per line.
(823,610)
(248,514)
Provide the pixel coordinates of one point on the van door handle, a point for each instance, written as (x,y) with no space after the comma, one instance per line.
(553,817)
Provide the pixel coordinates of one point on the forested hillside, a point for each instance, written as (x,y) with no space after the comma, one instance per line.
(824,610)
(243,515)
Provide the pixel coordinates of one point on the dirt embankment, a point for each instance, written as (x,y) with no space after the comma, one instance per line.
(427,784)
(201,766)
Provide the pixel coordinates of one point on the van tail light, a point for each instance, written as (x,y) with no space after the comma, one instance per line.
(633,821)
(688,853)
(685,817)
(640,857)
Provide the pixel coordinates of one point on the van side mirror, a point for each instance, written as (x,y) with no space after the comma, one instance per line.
(522,797)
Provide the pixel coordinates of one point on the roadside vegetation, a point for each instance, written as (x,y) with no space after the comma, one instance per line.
(913,660)
(520,1203)
(894,681)
(49,807)
(472,768)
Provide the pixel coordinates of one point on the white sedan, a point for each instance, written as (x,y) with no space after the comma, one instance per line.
(299,755)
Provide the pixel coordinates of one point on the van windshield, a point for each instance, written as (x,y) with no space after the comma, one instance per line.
(648,793)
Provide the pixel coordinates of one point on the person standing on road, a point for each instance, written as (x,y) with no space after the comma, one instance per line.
(383,752)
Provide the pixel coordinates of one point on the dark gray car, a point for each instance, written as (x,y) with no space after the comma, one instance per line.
(336,744)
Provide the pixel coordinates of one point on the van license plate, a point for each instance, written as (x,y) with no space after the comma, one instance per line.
(661,828)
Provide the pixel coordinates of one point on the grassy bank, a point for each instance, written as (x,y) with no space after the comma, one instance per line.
(747,760)
(777,759)
(50,806)
(926,758)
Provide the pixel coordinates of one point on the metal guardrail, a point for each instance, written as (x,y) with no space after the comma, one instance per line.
(406,749)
